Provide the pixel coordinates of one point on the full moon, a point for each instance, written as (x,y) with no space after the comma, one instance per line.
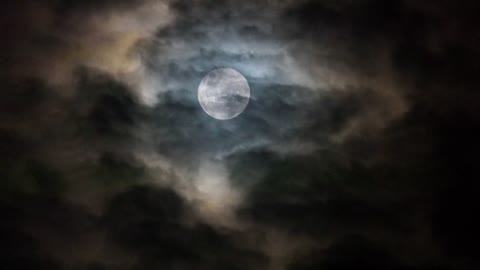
(223,93)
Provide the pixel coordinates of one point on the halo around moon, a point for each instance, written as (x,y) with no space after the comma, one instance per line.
(224,93)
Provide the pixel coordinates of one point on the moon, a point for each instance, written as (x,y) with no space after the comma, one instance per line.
(223,93)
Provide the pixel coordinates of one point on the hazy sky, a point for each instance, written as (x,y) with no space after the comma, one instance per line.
(356,150)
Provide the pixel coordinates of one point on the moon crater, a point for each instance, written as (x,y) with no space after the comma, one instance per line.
(224,93)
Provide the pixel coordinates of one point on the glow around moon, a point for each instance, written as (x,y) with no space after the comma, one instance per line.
(224,93)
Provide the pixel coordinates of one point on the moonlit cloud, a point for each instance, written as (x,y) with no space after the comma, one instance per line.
(356,147)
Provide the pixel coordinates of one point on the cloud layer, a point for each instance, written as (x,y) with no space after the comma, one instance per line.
(357,148)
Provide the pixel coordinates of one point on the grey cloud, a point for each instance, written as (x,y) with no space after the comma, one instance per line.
(352,138)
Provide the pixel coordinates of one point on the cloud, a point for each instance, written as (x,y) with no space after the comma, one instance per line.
(353,149)
(153,224)
(64,35)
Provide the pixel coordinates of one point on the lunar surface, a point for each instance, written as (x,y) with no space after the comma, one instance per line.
(224,93)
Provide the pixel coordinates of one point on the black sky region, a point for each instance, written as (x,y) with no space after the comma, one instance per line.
(357,149)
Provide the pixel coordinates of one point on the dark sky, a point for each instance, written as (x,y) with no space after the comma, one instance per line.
(357,149)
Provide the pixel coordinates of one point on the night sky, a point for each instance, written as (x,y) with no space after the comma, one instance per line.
(358,148)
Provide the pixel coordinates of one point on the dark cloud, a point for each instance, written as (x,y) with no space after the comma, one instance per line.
(152,227)
(153,224)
